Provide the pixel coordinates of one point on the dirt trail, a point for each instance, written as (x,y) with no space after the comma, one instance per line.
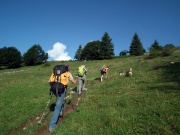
(68,109)
(44,129)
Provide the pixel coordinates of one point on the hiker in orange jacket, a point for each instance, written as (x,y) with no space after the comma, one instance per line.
(104,71)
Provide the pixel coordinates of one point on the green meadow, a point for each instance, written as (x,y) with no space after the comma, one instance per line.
(146,103)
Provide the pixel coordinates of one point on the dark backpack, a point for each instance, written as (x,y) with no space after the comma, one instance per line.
(59,69)
(57,87)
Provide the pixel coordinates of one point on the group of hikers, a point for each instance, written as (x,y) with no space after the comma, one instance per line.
(59,81)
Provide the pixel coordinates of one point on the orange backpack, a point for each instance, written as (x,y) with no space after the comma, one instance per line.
(59,79)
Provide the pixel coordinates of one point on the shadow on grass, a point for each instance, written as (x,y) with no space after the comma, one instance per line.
(52,106)
(171,74)
(75,89)
(97,79)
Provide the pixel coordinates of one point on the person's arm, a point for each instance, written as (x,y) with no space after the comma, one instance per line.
(72,79)
(85,71)
(107,71)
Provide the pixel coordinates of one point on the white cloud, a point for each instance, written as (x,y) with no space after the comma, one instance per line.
(58,52)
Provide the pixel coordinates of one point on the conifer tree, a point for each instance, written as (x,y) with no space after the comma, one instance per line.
(78,53)
(155,50)
(136,47)
(156,46)
(107,47)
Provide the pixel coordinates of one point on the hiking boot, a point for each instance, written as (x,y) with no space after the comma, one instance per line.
(61,115)
(51,130)
(79,94)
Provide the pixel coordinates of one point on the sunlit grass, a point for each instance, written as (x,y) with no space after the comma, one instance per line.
(146,103)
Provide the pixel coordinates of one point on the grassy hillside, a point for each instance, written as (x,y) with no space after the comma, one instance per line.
(146,103)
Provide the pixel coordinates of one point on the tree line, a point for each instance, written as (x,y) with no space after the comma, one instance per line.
(10,57)
(104,49)
(96,50)
(155,50)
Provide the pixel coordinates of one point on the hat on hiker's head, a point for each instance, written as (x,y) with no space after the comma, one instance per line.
(103,66)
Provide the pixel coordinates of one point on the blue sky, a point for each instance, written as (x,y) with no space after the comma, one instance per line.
(60,26)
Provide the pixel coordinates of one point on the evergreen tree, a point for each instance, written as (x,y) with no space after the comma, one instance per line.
(107,47)
(136,47)
(34,56)
(156,46)
(155,50)
(78,53)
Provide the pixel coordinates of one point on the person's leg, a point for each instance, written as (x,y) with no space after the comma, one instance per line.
(101,77)
(83,83)
(62,107)
(57,110)
(79,85)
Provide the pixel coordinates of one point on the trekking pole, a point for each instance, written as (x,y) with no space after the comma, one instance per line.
(40,121)
(86,81)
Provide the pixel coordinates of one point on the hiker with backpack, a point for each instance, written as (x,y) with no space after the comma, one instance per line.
(104,71)
(82,71)
(59,81)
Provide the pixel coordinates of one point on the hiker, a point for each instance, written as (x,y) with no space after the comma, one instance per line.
(104,71)
(59,92)
(82,71)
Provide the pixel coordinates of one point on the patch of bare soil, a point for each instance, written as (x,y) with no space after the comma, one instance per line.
(44,129)
(68,109)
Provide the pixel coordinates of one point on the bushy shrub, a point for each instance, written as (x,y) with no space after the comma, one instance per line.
(154,54)
(167,52)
